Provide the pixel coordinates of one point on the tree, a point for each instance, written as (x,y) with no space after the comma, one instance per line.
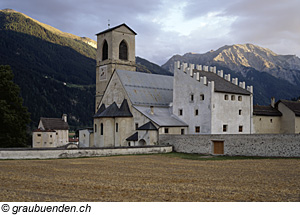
(13,115)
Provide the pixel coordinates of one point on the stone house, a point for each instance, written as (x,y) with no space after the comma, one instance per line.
(86,137)
(51,133)
(266,119)
(290,122)
(282,117)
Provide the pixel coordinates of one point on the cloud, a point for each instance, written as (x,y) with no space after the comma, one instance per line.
(272,23)
(168,27)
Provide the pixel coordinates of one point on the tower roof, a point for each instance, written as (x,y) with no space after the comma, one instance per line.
(124,110)
(111,29)
(101,109)
(114,111)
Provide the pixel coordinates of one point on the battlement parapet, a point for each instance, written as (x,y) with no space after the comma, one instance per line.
(194,73)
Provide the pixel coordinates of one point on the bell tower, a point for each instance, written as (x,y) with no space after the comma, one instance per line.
(115,50)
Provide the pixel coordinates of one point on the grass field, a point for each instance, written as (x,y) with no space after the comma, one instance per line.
(150,178)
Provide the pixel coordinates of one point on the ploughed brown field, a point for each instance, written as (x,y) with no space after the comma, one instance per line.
(149,178)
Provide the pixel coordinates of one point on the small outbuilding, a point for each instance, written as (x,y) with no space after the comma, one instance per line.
(51,133)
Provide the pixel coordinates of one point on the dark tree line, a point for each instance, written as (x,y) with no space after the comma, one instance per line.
(14,117)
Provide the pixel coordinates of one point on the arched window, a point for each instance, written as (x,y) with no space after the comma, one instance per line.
(105,50)
(123,51)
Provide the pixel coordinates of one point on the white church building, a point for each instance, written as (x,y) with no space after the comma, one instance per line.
(134,108)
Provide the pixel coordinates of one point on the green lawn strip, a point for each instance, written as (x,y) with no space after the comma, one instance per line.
(216,157)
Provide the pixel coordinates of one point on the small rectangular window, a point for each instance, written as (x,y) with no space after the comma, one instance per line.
(196,112)
(180,112)
(240,98)
(182,131)
(95,128)
(166,130)
(240,128)
(197,129)
(232,97)
(225,128)
(240,112)
(101,128)
(39,135)
(192,98)
(117,127)
(50,136)
(225,97)
(201,97)
(136,126)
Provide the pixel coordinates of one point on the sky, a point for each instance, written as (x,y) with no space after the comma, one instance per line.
(168,27)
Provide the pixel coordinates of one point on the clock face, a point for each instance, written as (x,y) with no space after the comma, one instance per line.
(102,73)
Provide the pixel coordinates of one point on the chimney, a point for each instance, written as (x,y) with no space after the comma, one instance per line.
(273,102)
(152,110)
(64,117)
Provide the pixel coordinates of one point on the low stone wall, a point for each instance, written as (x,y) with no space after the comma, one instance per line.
(76,153)
(265,145)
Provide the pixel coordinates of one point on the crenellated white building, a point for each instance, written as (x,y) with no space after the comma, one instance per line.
(210,103)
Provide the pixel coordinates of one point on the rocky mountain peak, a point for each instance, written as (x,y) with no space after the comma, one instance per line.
(246,55)
(239,57)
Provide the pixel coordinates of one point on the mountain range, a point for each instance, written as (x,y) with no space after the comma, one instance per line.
(56,70)
(272,75)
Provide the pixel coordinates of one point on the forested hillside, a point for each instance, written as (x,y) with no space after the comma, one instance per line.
(56,74)
(55,70)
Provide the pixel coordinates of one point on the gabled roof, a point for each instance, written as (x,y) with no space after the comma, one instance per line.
(40,130)
(148,126)
(114,111)
(292,105)
(54,124)
(261,110)
(162,116)
(111,29)
(147,89)
(222,85)
(133,137)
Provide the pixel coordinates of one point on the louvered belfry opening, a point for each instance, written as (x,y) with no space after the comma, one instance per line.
(123,51)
